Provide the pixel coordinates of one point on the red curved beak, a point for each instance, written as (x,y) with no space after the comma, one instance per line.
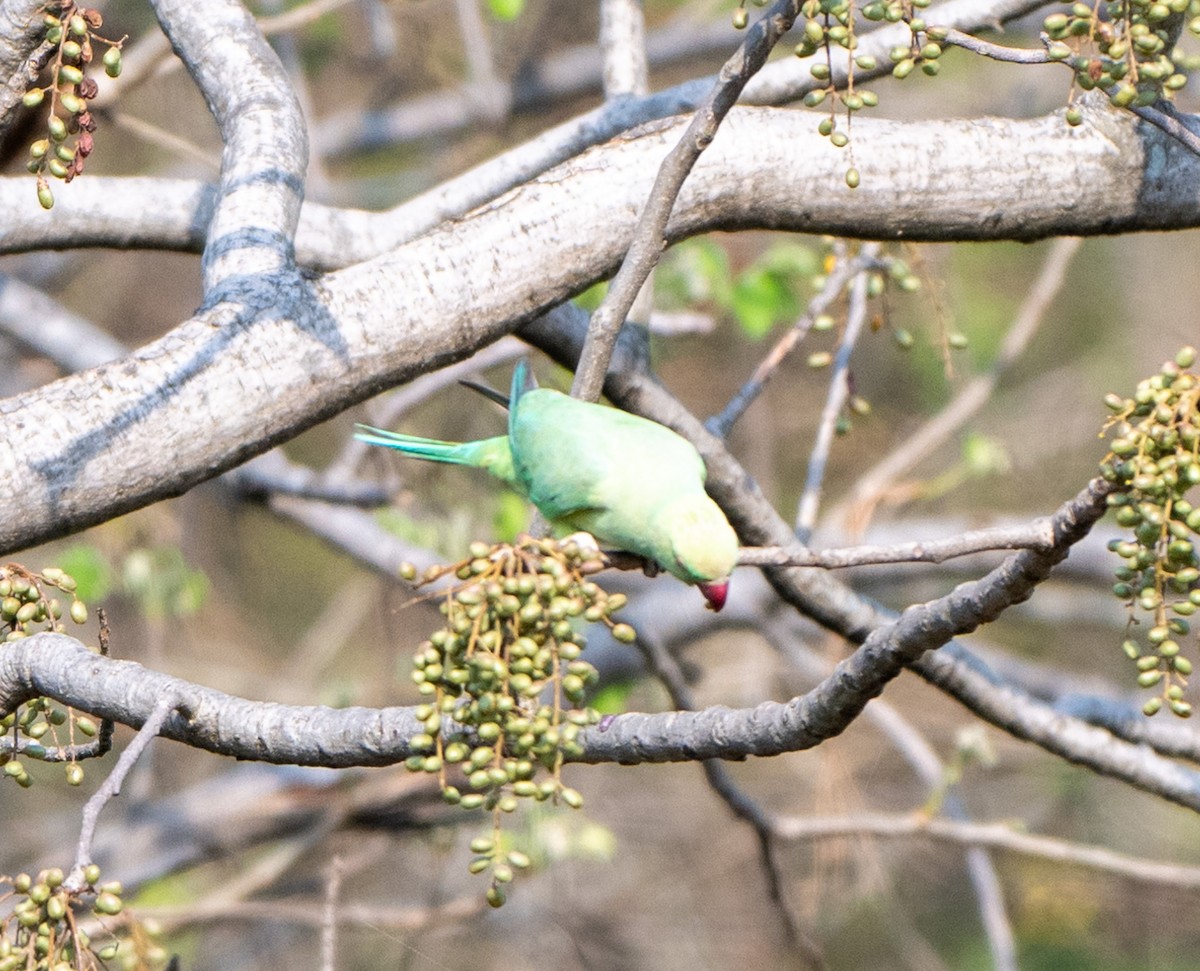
(715,593)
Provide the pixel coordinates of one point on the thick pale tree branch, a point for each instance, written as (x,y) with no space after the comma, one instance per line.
(61,667)
(266,147)
(941,181)
(22,51)
(46,327)
(623,46)
(311,349)
(58,666)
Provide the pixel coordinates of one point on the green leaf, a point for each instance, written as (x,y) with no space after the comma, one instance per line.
(695,272)
(791,260)
(505,10)
(612,698)
(93,576)
(163,583)
(984,456)
(760,299)
(511,518)
(591,297)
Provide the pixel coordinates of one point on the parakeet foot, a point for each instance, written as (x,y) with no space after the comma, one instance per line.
(622,560)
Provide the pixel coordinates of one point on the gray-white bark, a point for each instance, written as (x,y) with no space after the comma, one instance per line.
(97,444)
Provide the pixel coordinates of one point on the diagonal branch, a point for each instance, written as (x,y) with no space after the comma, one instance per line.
(835,401)
(59,667)
(971,398)
(648,241)
(111,787)
(831,604)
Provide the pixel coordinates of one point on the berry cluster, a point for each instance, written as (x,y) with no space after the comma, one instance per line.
(1155,462)
(42,930)
(71,30)
(826,24)
(27,605)
(1129,52)
(505,680)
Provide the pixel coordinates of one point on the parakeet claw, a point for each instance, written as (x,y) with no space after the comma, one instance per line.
(620,560)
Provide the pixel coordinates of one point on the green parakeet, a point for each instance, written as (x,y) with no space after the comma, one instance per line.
(633,484)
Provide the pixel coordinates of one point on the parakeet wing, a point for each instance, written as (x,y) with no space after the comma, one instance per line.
(574,458)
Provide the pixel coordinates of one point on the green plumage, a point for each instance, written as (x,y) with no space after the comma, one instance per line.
(633,484)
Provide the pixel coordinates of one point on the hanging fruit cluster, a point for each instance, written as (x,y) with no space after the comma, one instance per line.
(71,30)
(28,604)
(42,929)
(505,682)
(1126,48)
(1155,462)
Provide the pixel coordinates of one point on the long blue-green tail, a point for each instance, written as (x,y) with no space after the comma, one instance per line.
(491,454)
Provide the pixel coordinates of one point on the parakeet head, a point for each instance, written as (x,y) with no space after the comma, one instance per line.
(704,546)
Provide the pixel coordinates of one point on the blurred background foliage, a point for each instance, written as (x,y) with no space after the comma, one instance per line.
(654,873)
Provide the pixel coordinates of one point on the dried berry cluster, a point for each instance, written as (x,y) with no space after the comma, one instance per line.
(42,931)
(27,605)
(1125,48)
(72,31)
(504,679)
(1155,460)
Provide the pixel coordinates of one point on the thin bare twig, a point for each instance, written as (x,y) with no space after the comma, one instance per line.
(333,888)
(646,246)
(839,391)
(165,138)
(1037,535)
(977,392)
(995,835)
(623,46)
(1163,116)
(151,57)
(721,423)
(111,786)
(997,52)
(484,88)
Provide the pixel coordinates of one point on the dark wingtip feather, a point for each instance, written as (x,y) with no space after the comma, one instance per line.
(490,393)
